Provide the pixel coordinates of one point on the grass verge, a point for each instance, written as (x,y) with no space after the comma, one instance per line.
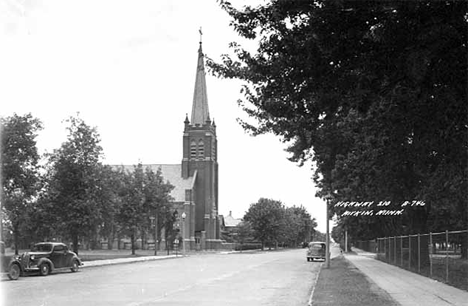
(344,285)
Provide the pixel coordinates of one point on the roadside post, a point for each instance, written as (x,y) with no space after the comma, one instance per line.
(155,228)
(328,198)
(176,246)
(184,215)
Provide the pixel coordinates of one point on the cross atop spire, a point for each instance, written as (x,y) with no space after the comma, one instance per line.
(201,34)
(200,111)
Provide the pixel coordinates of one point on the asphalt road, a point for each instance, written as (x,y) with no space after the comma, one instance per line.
(264,278)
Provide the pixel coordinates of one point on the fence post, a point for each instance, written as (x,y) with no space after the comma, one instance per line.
(446,257)
(419,253)
(409,252)
(430,254)
(394,250)
(387,249)
(401,251)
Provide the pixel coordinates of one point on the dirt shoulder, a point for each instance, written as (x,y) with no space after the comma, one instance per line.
(343,284)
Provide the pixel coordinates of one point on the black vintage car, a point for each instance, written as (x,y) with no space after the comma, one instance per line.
(9,264)
(316,250)
(46,257)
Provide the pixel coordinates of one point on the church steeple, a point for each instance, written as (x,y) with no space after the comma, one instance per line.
(199,160)
(200,112)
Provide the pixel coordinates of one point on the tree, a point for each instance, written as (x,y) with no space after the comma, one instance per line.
(131,214)
(74,181)
(319,236)
(266,218)
(157,198)
(374,92)
(291,227)
(305,224)
(108,186)
(42,220)
(144,194)
(19,172)
(243,233)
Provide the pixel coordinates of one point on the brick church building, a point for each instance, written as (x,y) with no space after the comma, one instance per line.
(196,179)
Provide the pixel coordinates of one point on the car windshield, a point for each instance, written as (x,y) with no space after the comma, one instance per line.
(42,248)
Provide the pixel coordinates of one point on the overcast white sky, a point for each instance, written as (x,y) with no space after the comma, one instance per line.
(128,67)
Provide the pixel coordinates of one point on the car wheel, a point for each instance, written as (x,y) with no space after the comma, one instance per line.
(75,266)
(14,272)
(44,269)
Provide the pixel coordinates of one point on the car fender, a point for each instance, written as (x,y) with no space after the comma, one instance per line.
(77,258)
(48,261)
(15,263)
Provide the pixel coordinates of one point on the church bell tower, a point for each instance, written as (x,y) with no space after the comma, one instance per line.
(200,158)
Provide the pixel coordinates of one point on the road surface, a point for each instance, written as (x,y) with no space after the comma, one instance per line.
(263,278)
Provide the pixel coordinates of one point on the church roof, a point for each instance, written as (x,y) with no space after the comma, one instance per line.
(171,173)
(200,111)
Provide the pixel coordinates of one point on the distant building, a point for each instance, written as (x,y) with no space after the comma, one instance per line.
(196,178)
(229,226)
(230,221)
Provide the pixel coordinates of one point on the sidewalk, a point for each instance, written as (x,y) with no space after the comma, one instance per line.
(405,287)
(123,260)
(105,262)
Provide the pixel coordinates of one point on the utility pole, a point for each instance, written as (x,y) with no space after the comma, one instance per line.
(346,240)
(328,198)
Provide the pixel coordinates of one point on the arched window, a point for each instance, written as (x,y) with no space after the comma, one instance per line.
(193,149)
(213,151)
(201,149)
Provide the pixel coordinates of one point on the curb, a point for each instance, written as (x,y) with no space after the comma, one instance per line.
(310,302)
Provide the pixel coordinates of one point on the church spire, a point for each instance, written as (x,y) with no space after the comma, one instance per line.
(200,112)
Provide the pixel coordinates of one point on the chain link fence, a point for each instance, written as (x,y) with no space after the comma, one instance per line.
(441,256)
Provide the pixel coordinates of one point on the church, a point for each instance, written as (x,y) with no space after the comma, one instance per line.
(195,196)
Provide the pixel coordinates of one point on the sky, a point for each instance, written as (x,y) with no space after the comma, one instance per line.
(128,68)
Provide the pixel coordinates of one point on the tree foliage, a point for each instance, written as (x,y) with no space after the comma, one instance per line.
(243,232)
(19,168)
(266,218)
(74,181)
(76,197)
(272,223)
(144,194)
(374,92)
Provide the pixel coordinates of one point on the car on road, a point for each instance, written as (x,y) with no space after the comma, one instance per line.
(47,257)
(9,265)
(316,250)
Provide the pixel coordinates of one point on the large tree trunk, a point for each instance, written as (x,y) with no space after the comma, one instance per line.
(111,239)
(464,242)
(16,236)
(132,237)
(464,246)
(75,243)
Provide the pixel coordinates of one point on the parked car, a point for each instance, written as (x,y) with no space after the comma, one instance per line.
(316,250)
(9,265)
(47,257)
